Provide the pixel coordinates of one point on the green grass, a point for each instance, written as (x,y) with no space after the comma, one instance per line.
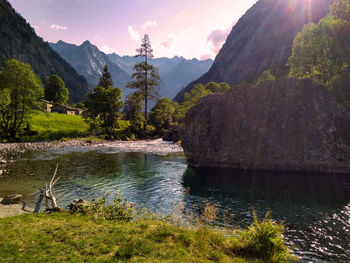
(53,126)
(59,237)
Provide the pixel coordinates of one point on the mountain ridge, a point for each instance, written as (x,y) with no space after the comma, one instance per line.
(261,39)
(169,68)
(18,40)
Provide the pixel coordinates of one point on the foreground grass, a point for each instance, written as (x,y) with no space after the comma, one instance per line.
(61,237)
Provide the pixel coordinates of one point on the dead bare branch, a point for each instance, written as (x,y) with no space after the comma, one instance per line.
(47,192)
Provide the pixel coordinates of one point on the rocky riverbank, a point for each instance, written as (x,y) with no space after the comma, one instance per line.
(157,146)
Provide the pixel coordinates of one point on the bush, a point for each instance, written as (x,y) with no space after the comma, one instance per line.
(119,210)
(264,239)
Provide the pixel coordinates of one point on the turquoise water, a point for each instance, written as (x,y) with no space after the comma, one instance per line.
(315,208)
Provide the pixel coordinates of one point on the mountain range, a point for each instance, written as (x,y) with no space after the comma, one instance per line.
(18,40)
(262,39)
(88,60)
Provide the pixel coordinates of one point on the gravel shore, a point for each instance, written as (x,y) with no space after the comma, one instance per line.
(16,148)
(157,146)
(14,210)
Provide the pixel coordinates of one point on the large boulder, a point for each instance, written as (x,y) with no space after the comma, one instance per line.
(282,125)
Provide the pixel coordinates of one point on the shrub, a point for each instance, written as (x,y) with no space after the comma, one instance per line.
(119,210)
(264,239)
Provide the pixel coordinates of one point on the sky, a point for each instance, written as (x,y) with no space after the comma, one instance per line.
(188,28)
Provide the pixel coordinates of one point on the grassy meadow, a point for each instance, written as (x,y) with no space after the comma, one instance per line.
(59,237)
(55,126)
(51,126)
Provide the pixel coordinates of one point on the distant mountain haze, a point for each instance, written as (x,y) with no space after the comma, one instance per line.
(262,39)
(88,60)
(18,40)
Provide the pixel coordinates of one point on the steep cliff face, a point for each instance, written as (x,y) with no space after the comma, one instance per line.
(18,40)
(283,125)
(262,39)
(89,61)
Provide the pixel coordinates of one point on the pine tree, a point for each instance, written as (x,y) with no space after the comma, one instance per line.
(106,78)
(146,77)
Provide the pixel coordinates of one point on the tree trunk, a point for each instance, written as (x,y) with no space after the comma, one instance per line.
(146,92)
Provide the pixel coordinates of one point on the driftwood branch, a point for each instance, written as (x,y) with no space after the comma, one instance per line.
(47,192)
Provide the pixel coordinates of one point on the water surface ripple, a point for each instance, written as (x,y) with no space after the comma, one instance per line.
(315,208)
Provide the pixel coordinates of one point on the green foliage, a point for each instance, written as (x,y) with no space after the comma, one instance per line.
(104,106)
(322,52)
(197,93)
(55,90)
(163,115)
(133,113)
(20,91)
(119,210)
(106,78)
(145,78)
(266,240)
(266,75)
(191,98)
(341,9)
(58,237)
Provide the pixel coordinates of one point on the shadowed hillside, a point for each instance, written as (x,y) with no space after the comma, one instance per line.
(262,39)
(18,40)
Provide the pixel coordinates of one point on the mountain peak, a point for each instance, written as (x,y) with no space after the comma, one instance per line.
(86,43)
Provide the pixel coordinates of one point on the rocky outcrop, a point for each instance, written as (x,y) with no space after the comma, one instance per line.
(262,39)
(282,125)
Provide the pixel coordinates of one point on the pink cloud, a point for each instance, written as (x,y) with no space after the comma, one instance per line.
(167,42)
(206,56)
(218,38)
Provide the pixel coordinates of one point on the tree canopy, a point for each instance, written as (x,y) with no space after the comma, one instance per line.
(55,90)
(133,112)
(163,115)
(106,78)
(20,91)
(321,51)
(104,104)
(145,78)
(197,93)
(266,75)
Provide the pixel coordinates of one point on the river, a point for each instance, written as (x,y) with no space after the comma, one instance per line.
(315,208)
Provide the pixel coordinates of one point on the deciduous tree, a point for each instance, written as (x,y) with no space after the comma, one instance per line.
(55,90)
(20,91)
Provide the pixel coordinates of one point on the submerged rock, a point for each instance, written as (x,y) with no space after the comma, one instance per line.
(12,199)
(282,125)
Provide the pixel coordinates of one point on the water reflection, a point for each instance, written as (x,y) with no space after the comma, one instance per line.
(315,208)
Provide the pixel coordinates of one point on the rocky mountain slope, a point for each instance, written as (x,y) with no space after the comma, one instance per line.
(283,125)
(262,39)
(18,40)
(88,60)
(175,73)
